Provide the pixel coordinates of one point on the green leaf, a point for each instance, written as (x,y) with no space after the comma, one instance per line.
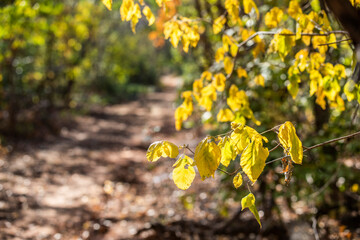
(291,142)
(207,158)
(249,202)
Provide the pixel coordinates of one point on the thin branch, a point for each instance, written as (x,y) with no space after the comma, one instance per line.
(274,147)
(222,170)
(332,178)
(188,148)
(332,140)
(290,34)
(319,145)
(343,40)
(314,224)
(355,114)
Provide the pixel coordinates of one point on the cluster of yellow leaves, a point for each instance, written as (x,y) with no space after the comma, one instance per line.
(352,91)
(355,3)
(324,78)
(131,11)
(239,104)
(161,149)
(282,43)
(183,112)
(243,141)
(273,17)
(183,29)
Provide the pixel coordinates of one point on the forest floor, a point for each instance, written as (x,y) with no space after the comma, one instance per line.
(93,180)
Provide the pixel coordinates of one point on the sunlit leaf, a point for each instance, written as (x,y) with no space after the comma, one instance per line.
(228,65)
(350,90)
(207,158)
(248,5)
(227,151)
(241,72)
(249,202)
(253,158)
(149,15)
(273,17)
(294,9)
(260,80)
(225,115)
(291,142)
(219,82)
(183,173)
(238,180)
(107,3)
(219,24)
(161,149)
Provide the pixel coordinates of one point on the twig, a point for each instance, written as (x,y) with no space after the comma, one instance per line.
(343,40)
(332,178)
(314,223)
(274,147)
(355,114)
(289,34)
(332,140)
(188,148)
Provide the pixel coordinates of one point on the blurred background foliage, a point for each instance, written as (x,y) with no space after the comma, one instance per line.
(60,55)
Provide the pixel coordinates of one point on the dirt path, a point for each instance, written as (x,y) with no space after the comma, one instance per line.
(93,181)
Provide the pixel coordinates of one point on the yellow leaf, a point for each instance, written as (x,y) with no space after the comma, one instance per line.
(248,5)
(227,151)
(172,31)
(315,81)
(332,39)
(219,24)
(339,71)
(283,42)
(232,7)
(233,49)
(291,142)
(161,149)
(183,173)
(219,82)
(207,158)
(318,42)
(126,10)
(293,87)
(238,180)
(206,75)
(294,9)
(225,115)
(219,55)
(273,18)
(249,202)
(260,80)
(228,65)
(253,158)
(149,15)
(350,90)
(107,3)
(241,72)
(301,59)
